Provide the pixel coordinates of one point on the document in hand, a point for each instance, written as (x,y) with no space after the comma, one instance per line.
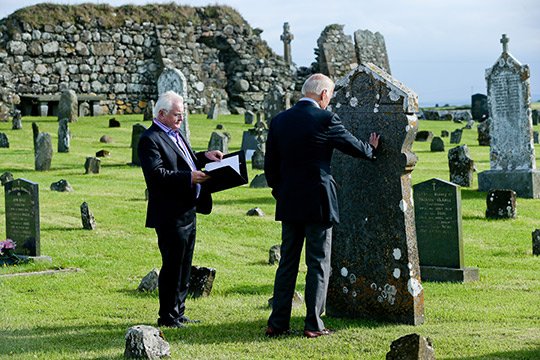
(230,172)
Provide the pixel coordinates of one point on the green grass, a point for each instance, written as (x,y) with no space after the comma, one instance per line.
(85,314)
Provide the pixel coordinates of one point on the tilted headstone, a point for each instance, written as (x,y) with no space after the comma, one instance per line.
(501,204)
(445,133)
(4,142)
(411,347)
(461,166)
(455,136)
(424,136)
(214,112)
(249,117)
(375,269)
(113,123)
(149,111)
(483,132)
(437,144)
(44,152)
(63,136)
(150,282)
(535,117)
(68,107)
(5,177)
(88,221)
(218,141)
(22,216)
(439,232)
(17,120)
(146,342)
(479,106)
(201,281)
(274,255)
(275,101)
(173,79)
(536,242)
(512,155)
(371,48)
(35,133)
(92,165)
(138,130)
(61,186)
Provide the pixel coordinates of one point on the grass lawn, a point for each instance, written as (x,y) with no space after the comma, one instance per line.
(85,314)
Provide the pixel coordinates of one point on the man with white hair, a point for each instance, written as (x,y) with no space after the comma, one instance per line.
(297,167)
(175,194)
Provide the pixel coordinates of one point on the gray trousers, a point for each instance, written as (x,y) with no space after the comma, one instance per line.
(318,250)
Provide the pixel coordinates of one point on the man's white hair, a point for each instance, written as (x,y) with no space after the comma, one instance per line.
(316,83)
(166,100)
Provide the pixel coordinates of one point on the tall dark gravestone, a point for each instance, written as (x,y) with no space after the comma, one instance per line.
(479,106)
(138,130)
(375,268)
(22,216)
(439,232)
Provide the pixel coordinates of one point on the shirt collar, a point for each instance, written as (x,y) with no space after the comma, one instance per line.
(305,98)
(164,127)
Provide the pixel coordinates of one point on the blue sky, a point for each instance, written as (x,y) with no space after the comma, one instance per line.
(439,49)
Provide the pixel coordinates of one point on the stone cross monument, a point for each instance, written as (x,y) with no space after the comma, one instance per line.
(287,37)
(512,155)
(375,265)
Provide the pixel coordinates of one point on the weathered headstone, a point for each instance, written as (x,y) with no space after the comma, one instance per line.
(173,79)
(5,177)
(113,123)
(138,130)
(274,255)
(381,230)
(103,153)
(88,221)
(287,37)
(445,133)
(63,136)
(259,181)
(461,166)
(62,186)
(483,132)
(92,165)
(512,155)
(214,112)
(470,125)
(535,137)
(479,106)
(424,136)
(536,242)
(149,111)
(437,144)
(249,117)
(218,141)
(275,101)
(439,232)
(146,342)
(411,347)
(455,136)
(17,121)
(22,216)
(201,281)
(501,204)
(107,139)
(535,117)
(68,106)
(4,142)
(44,152)
(35,133)
(84,109)
(150,282)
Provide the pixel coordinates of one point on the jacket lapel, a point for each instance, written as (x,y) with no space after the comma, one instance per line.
(171,143)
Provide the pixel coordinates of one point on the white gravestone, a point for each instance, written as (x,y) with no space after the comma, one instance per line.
(173,79)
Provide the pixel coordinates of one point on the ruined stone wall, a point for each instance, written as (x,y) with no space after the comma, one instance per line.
(370,48)
(220,60)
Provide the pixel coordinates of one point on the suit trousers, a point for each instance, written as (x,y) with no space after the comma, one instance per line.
(318,251)
(176,244)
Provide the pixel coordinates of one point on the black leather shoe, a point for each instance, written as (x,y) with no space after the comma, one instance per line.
(184,320)
(314,334)
(273,332)
(171,324)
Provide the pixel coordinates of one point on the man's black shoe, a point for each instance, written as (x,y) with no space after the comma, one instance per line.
(171,324)
(184,320)
(273,332)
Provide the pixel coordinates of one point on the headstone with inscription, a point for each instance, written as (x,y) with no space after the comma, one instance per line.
(173,79)
(44,152)
(138,130)
(375,269)
(439,232)
(512,155)
(17,120)
(4,141)
(68,107)
(63,136)
(461,166)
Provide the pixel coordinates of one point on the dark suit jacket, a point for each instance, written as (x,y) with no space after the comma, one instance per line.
(297,162)
(171,196)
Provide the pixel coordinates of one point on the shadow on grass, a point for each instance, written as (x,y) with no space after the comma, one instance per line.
(518,355)
(245,289)
(254,200)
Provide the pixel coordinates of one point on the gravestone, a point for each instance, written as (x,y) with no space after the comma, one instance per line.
(261,132)
(424,136)
(146,342)
(512,155)
(437,144)
(445,133)
(68,106)
(249,117)
(455,136)
(108,140)
(5,177)
(150,282)
(255,212)
(536,242)
(535,117)
(275,101)
(274,255)
(535,137)
(201,281)
(149,111)
(35,133)
(461,166)
(381,230)
(61,186)
(173,79)
(92,165)
(43,109)
(138,130)
(88,221)
(44,152)
(411,347)
(4,141)
(470,125)
(483,132)
(17,121)
(213,113)
(287,37)
(63,136)
(103,153)
(22,216)
(501,204)
(259,181)
(439,232)
(219,141)
(84,109)
(479,106)
(113,123)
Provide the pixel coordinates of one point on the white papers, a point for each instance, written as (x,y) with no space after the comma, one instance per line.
(232,161)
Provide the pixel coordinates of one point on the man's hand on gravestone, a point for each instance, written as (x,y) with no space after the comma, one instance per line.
(198,177)
(374,139)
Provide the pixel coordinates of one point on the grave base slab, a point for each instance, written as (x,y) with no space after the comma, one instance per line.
(526,183)
(445,274)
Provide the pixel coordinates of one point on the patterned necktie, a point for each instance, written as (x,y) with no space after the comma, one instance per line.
(182,146)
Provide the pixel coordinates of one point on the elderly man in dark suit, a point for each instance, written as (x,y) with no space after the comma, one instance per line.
(175,193)
(297,167)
